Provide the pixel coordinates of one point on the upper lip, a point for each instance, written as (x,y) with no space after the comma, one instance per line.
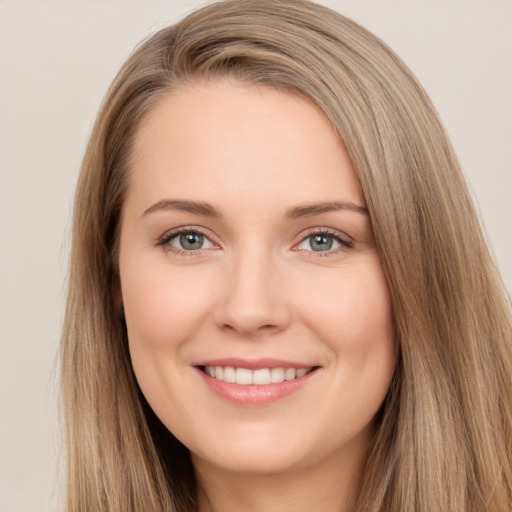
(253,364)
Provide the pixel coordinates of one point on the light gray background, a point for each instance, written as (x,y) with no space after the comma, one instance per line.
(57,59)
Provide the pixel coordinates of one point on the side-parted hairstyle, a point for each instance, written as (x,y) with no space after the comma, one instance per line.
(444,440)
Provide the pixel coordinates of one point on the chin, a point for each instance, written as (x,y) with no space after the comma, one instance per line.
(251,460)
(263,451)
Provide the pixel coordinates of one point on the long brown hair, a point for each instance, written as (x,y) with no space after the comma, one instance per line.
(444,442)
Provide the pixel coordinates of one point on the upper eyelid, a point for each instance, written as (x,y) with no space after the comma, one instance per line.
(168,235)
(326,231)
(346,242)
(184,229)
(163,242)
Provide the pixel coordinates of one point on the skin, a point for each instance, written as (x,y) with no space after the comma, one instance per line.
(255,289)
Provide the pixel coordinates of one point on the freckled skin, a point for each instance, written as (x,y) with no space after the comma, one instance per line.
(256,288)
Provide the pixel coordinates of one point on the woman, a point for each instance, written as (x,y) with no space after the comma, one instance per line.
(280,295)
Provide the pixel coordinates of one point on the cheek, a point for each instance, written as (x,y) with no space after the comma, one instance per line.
(162,306)
(355,320)
(354,311)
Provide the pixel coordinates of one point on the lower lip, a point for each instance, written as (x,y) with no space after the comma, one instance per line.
(255,395)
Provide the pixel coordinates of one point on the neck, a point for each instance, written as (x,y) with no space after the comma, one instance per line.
(328,486)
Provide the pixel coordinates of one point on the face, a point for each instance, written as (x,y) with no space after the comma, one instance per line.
(259,320)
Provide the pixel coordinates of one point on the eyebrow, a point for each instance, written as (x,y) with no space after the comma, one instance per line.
(197,207)
(207,210)
(318,208)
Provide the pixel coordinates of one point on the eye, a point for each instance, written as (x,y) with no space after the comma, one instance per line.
(323,242)
(186,240)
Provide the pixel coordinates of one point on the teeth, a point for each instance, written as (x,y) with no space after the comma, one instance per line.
(262,376)
(289,374)
(243,376)
(229,374)
(276,375)
(301,372)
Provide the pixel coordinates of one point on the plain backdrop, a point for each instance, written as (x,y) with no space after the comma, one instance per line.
(57,59)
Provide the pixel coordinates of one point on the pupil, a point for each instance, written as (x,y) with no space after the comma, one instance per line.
(321,242)
(191,241)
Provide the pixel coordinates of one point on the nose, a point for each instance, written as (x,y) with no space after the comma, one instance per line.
(253,299)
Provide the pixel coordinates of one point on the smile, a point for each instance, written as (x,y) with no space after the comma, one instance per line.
(259,377)
(254,382)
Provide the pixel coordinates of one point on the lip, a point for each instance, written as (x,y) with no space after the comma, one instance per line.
(253,364)
(254,395)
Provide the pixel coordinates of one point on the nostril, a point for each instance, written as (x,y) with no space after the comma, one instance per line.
(247,329)
(252,302)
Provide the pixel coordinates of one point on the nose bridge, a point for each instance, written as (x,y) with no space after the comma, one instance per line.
(254,299)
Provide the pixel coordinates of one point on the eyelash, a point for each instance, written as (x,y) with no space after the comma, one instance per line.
(345,244)
(167,237)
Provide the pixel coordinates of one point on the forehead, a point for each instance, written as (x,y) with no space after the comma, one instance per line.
(224,142)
